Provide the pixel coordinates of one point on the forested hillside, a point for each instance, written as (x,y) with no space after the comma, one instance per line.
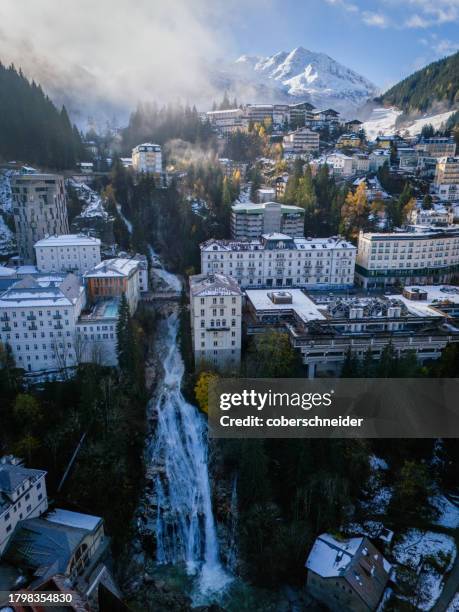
(437,82)
(32,129)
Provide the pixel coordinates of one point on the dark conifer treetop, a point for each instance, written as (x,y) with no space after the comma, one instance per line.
(32,129)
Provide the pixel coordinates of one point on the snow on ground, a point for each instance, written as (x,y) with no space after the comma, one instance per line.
(436,120)
(382,122)
(415,545)
(6,197)
(454,605)
(378,495)
(244,194)
(7,242)
(198,206)
(449,512)
(414,549)
(93,205)
(126,221)
(378,463)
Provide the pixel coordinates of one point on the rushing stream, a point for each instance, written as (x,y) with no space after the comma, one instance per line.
(184,524)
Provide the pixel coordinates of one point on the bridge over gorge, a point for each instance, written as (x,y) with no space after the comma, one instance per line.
(161,296)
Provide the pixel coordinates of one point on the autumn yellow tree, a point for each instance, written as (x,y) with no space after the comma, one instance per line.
(408,209)
(355,211)
(201,389)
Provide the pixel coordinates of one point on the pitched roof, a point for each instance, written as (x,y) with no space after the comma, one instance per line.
(213,284)
(38,542)
(356,560)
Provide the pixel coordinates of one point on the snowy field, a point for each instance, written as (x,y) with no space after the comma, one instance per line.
(415,549)
(93,205)
(382,122)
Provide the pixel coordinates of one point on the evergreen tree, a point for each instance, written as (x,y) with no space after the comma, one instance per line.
(125,339)
(31,127)
(350,367)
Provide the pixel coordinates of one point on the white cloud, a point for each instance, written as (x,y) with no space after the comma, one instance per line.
(446,47)
(436,12)
(375,19)
(347,6)
(415,21)
(116,50)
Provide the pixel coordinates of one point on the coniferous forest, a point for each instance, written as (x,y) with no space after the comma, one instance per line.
(32,129)
(437,82)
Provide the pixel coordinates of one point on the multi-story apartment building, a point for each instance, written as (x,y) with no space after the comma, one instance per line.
(378,158)
(229,167)
(113,277)
(216,310)
(22,496)
(434,216)
(300,114)
(324,328)
(38,318)
(437,146)
(258,113)
(96,338)
(67,253)
(252,220)
(407,159)
(227,121)
(277,260)
(446,182)
(40,209)
(349,141)
(325,118)
(301,141)
(360,163)
(147,157)
(428,255)
(341,164)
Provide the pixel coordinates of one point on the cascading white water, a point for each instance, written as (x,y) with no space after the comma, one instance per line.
(184,523)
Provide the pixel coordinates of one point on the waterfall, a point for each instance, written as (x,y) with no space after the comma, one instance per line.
(184,523)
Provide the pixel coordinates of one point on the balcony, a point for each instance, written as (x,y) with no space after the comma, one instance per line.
(31,318)
(57,316)
(6,328)
(32,327)
(58,326)
(4,317)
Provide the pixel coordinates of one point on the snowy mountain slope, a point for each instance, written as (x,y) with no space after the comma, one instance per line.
(300,74)
(384,121)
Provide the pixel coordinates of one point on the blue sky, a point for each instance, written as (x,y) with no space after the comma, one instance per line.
(385,40)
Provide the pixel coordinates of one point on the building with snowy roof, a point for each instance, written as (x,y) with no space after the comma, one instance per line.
(216,315)
(22,495)
(147,158)
(112,278)
(324,328)
(67,253)
(38,316)
(278,260)
(347,574)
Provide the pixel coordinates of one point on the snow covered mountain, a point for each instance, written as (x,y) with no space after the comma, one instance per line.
(299,74)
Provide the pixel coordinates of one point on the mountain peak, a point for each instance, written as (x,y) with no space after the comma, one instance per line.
(311,75)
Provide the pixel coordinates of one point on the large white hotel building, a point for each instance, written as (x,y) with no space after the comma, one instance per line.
(429,255)
(278,260)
